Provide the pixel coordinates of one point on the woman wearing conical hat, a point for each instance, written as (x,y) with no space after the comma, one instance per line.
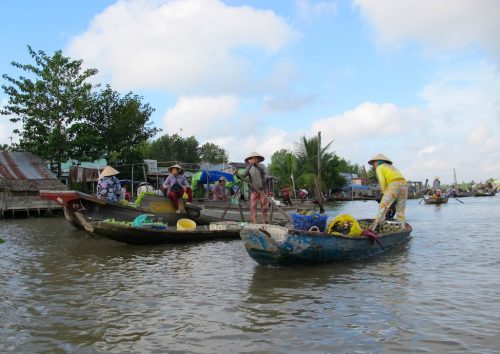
(393,185)
(258,189)
(176,186)
(108,186)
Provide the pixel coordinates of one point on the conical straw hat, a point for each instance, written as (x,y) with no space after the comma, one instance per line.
(179,168)
(379,157)
(255,154)
(108,171)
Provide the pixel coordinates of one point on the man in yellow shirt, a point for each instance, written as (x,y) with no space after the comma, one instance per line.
(393,186)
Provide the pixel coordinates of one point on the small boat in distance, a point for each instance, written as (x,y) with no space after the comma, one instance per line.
(435,199)
(277,245)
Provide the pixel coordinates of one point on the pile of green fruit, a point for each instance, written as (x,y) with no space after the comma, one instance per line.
(305,211)
(383,227)
(117,222)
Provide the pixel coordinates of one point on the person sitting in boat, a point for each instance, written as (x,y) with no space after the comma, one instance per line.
(219,189)
(393,186)
(303,193)
(108,186)
(285,194)
(176,186)
(257,184)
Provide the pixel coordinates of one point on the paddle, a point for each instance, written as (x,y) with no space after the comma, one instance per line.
(230,201)
(421,200)
(458,200)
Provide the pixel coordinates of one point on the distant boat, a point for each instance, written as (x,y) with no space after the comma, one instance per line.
(434,199)
(277,245)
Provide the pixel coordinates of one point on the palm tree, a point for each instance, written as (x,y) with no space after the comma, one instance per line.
(283,167)
(307,157)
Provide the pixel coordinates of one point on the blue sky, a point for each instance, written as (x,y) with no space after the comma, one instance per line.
(416,80)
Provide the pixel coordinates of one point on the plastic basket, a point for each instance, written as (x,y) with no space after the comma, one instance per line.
(305,222)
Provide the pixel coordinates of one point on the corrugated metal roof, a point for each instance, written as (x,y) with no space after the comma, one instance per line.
(23,166)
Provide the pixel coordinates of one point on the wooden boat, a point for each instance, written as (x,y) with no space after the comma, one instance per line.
(93,208)
(277,245)
(484,194)
(433,199)
(154,236)
(212,211)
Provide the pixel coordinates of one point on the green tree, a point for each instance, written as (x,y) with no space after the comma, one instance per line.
(174,148)
(54,96)
(116,127)
(283,166)
(212,153)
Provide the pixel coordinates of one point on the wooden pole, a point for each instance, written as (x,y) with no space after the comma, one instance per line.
(319,191)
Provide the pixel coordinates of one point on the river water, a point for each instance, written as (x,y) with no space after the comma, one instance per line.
(63,291)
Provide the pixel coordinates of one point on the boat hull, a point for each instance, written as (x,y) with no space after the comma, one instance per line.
(213,211)
(149,236)
(93,208)
(291,247)
(432,200)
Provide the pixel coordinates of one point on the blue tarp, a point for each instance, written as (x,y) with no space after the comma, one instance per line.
(213,176)
(357,187)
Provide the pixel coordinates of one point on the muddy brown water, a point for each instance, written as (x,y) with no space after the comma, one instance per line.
(63,291)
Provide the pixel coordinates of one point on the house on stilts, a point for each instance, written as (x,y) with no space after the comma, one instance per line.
(22,176)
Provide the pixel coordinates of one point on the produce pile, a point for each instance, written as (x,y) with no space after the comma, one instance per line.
(146,224)
(383,227)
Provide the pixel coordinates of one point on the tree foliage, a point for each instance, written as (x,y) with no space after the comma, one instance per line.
(212,153)
(50,102)
(303,165)
(63,116)
(174,148)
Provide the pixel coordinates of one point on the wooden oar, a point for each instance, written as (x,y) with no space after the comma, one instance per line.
(230,201)
(421,200)
(458,200)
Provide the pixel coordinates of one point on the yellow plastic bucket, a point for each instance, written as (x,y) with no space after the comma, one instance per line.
(186,224)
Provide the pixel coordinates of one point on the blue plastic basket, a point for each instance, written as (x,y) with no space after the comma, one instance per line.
(305,222)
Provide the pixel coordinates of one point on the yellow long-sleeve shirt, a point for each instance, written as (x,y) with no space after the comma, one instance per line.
(386,174)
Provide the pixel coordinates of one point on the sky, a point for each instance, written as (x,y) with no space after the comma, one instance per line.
(416,80)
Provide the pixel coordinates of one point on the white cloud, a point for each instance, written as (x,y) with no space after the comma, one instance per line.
(203,117)
(307,10)
(182,46)
(443,24)
(457,127)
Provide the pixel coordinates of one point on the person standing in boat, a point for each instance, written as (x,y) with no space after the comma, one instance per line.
(176,186)
(257,184)
(219,189)
(108,186)
(393,186)
(286,195)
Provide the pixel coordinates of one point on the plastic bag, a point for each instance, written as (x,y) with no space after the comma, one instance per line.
(344,224)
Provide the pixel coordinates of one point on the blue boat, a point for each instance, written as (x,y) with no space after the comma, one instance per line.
(277,245)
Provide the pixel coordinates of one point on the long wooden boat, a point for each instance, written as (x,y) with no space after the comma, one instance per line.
(93,208)
(212,211)
(432,199)
(277,245)
(153,236)
(484,194)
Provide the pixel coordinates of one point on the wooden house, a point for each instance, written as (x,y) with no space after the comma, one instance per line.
(22,176)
